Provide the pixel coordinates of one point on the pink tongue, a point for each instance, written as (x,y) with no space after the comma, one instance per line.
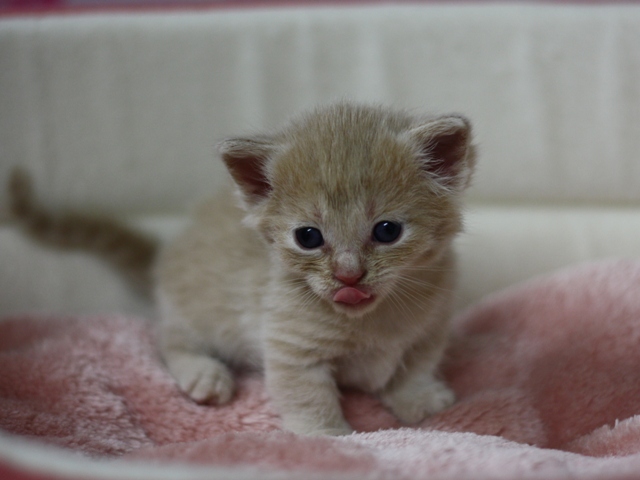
(350,295)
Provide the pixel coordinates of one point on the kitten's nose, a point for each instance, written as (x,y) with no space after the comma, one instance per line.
(349,278)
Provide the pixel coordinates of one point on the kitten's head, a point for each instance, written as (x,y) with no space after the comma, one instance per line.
(352,197)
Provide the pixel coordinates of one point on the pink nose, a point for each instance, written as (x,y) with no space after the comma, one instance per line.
(349,278)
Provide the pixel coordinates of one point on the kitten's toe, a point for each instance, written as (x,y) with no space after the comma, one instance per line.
(440,397)
(211,385)
(416,402)
(204,379)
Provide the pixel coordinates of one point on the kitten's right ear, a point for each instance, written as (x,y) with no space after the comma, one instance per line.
(247,159)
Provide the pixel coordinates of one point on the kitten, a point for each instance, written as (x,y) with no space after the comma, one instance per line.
(335,269)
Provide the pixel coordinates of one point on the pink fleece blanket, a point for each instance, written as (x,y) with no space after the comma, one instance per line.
(547,375)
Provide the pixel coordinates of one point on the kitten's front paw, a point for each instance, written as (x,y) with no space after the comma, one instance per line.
(415,402)
(204,379)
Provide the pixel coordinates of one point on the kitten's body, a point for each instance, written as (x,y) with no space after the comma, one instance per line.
(220,300)
(365,306)
(267,301)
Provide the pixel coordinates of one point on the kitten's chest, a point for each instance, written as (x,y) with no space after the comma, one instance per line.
(370,370)
(379,350)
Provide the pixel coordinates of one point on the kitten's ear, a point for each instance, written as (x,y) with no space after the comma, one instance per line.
(246,159)
(446,150)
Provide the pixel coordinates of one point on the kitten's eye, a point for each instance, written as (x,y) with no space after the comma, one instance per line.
(309,237)
(386,232)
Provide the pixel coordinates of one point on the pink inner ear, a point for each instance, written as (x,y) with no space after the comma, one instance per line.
(445,153)
(249,175)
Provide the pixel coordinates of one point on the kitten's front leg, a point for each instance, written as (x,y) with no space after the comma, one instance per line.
(414,392)
(306,396)
(205,379)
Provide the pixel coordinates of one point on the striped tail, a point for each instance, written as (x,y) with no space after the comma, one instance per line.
(130,252)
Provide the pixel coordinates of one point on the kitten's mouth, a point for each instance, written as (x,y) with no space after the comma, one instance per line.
(352,296)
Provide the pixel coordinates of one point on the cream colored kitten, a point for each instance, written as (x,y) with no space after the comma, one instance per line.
(336,271)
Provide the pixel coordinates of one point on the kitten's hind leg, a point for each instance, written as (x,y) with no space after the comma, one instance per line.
(205,379)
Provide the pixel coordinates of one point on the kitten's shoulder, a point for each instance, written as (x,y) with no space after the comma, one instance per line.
(219,208)
(216,239)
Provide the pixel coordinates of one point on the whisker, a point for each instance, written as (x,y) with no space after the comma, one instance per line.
(420,283)
(431,300)
(428,269)
(306,297)
(395,298)
(433,294)
(417,282)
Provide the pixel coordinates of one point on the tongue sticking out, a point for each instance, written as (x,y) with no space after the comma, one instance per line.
(350,295)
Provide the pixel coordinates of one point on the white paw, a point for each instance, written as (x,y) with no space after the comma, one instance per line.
(204,379)
(417,401)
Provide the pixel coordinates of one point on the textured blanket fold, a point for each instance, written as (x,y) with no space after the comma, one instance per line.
(547,377)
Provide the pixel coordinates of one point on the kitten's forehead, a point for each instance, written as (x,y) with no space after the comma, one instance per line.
(349,155)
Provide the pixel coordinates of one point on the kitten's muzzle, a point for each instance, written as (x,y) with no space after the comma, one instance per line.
(350,278)
(351,293)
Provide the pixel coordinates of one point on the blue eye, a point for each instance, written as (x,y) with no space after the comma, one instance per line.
(309,237)
(386,232)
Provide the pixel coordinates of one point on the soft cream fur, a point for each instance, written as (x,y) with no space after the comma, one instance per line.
(244,293)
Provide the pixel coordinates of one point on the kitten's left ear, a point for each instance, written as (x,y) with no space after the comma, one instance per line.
(247,161)
(446,150)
